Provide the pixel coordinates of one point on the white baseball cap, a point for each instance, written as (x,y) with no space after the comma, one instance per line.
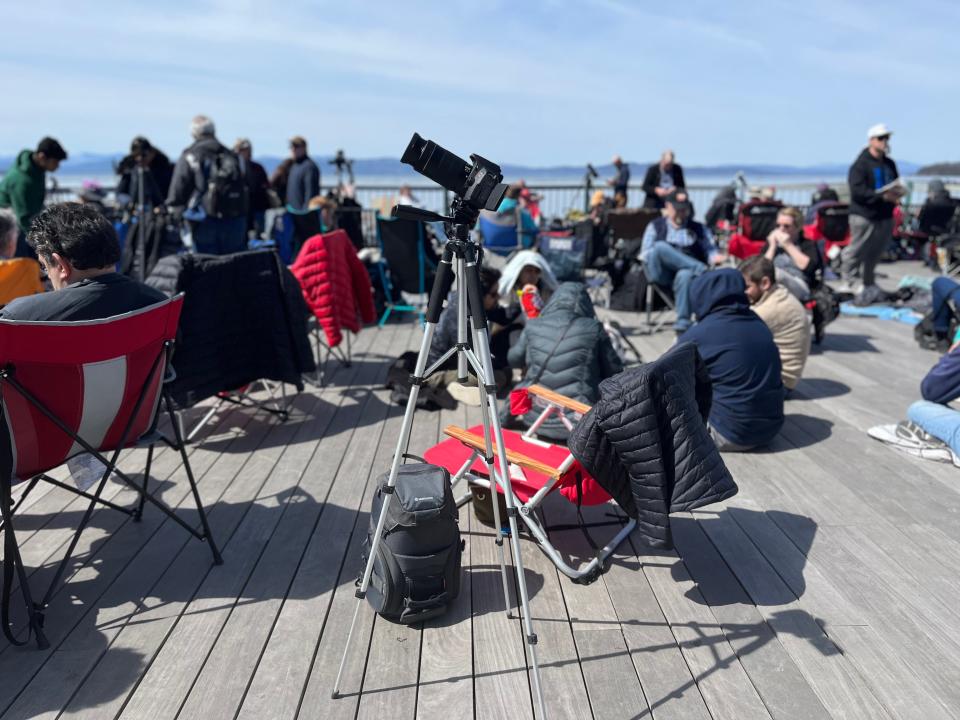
(878,130)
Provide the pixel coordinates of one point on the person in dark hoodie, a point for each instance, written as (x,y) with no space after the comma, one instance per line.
(871,213)
(23,187)
(157,173)
(566,350)
(742,359)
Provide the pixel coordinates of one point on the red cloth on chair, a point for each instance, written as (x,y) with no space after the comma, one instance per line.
(452,454)
(335,284)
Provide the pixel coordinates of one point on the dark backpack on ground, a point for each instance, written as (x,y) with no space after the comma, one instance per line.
(416,571)
(632,292)
(226,192)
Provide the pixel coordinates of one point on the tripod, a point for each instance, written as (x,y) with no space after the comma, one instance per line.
(461,259)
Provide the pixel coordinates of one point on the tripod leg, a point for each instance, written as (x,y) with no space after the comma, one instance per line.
(481,345)
(440,289)
(491,470)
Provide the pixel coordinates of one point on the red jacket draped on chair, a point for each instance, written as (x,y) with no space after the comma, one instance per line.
(335,284)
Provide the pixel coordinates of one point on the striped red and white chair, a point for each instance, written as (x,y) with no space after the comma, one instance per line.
(69,388)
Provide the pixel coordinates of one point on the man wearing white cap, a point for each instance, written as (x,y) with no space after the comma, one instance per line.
(873,196)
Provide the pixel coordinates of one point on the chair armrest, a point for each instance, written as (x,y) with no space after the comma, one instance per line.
(560,400)
(517,458)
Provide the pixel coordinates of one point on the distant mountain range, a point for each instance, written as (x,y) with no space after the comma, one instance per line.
(96,164)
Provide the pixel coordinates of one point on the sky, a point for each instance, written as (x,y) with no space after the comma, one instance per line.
(533,82)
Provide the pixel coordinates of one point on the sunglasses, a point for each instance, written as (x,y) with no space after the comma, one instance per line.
(883,138)
(785,226)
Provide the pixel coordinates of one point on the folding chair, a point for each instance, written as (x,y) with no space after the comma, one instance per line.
(503,232)
(244,323)
(626,233)
(93,386)
(755,221)
(402,244)
(336,288)
(831,226)
(537,469)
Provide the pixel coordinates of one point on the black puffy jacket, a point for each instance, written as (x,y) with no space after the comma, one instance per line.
(646,442)
(566,350)
(244,319)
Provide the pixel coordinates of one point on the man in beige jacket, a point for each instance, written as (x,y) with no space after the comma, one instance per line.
(782,313)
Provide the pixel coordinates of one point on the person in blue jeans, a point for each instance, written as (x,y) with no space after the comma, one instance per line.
(932,428)
(675,250)
(943,288)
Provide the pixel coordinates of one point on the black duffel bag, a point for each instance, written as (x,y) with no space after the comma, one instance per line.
(416,571)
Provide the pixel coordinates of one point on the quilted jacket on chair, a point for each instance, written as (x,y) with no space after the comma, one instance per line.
(335,284)
(646,442)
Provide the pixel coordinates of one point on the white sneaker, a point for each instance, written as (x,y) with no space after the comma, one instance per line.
(898,436)
(852,287)
(466,394)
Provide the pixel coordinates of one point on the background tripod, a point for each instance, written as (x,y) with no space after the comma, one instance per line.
(460,261)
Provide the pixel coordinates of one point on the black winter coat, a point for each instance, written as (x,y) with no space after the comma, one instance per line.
(244,319)
(567,350)
(866,175)
(646,442)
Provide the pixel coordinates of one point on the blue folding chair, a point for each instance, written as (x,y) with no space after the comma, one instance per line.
(503,232)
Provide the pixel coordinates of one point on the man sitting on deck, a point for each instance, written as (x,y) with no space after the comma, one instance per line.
(782,313)
(742,359)
(78,249)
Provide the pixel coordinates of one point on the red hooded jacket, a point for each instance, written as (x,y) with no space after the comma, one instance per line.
(335,284)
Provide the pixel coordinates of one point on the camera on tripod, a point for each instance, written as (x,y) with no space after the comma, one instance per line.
(341,161)
(479,183)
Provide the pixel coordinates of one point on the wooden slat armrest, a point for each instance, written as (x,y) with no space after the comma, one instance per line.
(558,399)
(517,458)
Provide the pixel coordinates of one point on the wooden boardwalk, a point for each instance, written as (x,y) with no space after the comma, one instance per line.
(827,588)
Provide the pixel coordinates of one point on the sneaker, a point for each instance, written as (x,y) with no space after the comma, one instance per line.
(906,440)
(465,394)
(911,431)
(848,287)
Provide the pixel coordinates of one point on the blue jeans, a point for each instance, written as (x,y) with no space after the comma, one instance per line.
(220,236)
(939,420)
(943,288)
(666,265)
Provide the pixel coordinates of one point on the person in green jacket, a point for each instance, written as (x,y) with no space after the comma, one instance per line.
(24,185)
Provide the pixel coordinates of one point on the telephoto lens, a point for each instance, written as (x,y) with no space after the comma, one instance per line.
(441,166)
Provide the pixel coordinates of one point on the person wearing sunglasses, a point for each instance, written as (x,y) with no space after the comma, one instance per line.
(872,200)
(796,259)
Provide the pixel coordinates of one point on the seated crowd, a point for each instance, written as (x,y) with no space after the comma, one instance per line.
(749,324)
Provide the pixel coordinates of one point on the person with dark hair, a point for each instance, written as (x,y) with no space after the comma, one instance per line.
(663,179)
(78,249)
(24,185)
(303,178)
(782,313)
(157,171)
(742,359)
(209,191)
(676,248)
(257,186)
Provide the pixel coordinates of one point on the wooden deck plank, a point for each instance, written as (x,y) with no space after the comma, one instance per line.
(176,666)
(326,482)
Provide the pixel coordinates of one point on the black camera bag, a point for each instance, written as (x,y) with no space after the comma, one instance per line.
(416,571)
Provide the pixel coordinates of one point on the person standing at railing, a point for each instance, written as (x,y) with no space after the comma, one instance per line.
(24,186)
(620,181)
(257,187)
(303,179)
(662,180)
(157,171)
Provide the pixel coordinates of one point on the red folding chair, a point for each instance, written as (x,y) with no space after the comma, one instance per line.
(755,220)
(537,469)
(72,387)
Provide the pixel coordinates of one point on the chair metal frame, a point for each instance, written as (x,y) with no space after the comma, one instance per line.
(13,562)
(554,404)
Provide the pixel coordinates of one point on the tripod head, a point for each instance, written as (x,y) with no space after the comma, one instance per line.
(463,216)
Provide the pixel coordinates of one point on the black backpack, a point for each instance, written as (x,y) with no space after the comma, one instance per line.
(416,571)
(226,192)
